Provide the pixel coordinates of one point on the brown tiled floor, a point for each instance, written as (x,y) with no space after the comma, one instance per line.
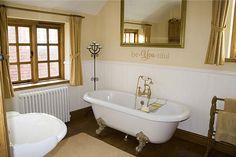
(85,122)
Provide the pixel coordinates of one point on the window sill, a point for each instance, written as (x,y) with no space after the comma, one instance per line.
(230,60)
(38,85)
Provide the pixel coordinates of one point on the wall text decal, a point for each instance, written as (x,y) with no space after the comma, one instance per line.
(145,54)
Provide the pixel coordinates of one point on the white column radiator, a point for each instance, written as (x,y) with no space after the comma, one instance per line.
(53,101)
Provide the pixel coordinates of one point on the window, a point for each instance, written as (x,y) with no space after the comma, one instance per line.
(20,48)
(233,41)
(35,51)
(231,26)
(131,36)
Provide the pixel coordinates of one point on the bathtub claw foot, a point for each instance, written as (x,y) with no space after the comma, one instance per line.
(101,124)
(143,140)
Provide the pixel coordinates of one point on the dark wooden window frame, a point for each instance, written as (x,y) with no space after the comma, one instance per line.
(232,57)
(17,45)
(33,25)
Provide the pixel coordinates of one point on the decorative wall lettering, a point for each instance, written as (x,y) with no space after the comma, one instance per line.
(145,54)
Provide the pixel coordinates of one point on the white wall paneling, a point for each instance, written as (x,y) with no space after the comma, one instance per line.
(192,87)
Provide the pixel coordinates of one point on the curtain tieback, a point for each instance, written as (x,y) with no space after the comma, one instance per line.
(217,28)
(74,56)
(6,56)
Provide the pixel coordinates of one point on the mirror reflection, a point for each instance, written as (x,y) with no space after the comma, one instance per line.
(153,22)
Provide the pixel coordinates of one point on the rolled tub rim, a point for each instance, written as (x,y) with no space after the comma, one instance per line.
(137,113)
(61,134)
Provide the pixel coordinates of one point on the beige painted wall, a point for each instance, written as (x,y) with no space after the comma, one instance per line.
(197,31)
(105,28)
(88,34)
(159,30)
(88,28)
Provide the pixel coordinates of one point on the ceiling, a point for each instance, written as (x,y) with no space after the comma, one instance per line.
(75,6)
(149,10)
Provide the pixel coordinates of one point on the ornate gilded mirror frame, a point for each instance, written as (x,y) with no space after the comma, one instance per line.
(166,45)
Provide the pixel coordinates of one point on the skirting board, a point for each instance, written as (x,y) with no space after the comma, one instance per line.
(202,140)
(181,134)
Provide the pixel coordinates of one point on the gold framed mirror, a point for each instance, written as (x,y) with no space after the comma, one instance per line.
(153,23)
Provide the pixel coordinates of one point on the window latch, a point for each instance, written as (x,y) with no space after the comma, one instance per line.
(31,54)
(1,57)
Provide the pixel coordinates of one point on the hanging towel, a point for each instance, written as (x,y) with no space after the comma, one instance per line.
(226,127)
(230,105)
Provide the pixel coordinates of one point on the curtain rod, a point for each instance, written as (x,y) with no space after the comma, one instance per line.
(146,24)
(40,11)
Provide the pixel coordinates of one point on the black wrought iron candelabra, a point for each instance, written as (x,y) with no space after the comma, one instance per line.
(94,48)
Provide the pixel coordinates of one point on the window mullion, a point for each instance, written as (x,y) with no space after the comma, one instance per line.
(48,53)
(17,53)
(34,55)
(61,50)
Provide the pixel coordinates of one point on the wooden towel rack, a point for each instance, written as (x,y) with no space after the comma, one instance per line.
(211,132)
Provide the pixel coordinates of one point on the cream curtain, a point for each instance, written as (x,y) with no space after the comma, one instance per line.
(76,78)
(7,85)
(216,52)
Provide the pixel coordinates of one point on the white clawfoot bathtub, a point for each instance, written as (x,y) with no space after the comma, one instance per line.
(34,134)
(116,109)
